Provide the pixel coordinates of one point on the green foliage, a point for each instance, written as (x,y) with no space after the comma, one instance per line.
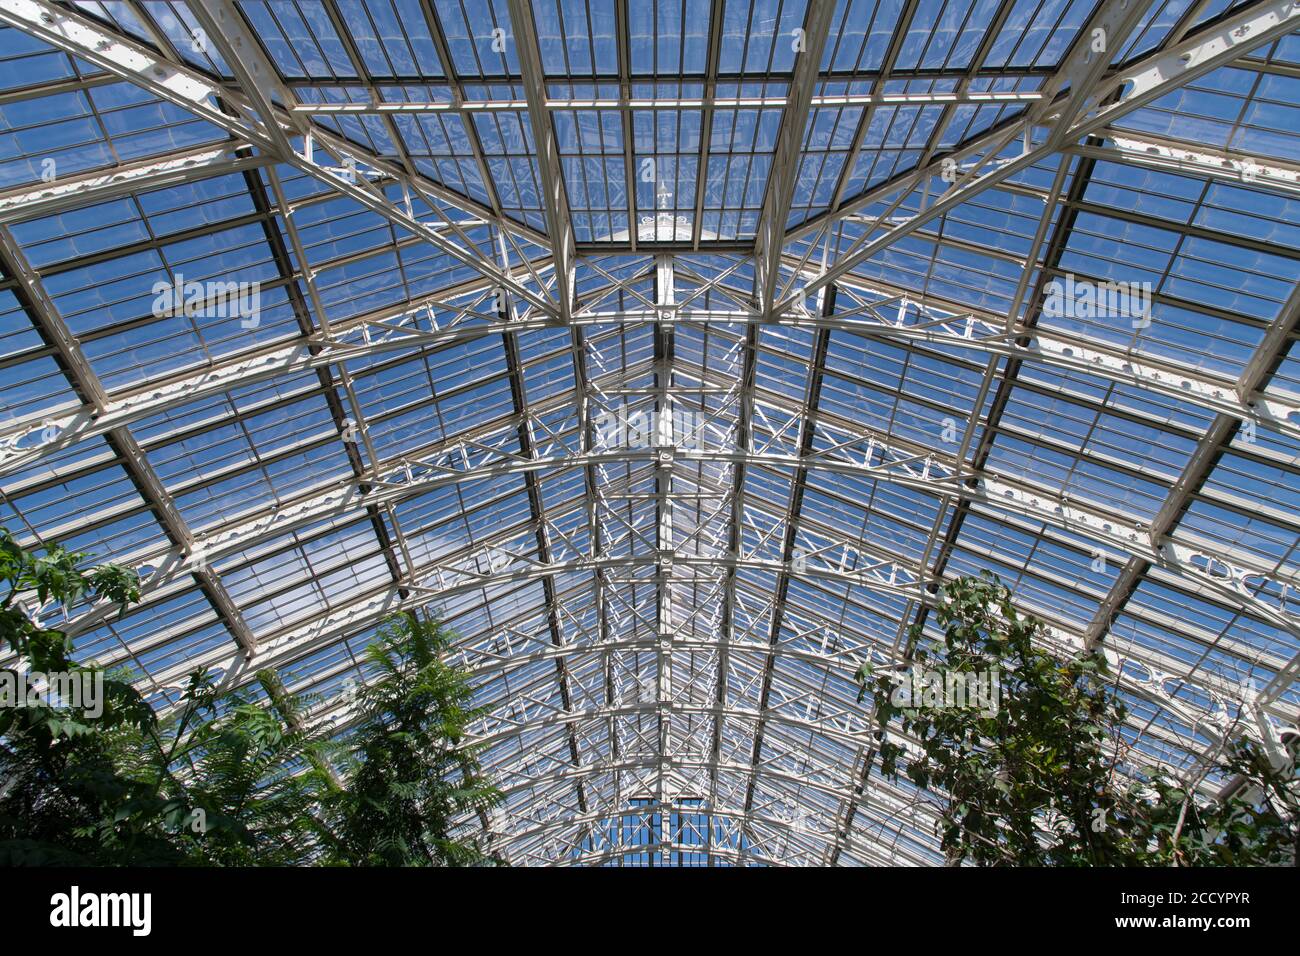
(63,769)
(247,784)
(413,775)
(1257,825)
(1038,781)
(223,779)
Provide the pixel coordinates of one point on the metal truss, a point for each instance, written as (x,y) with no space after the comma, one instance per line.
(668,628)
(491,453)
(793,830)
(74,192)
(47,320)
(357,175)
(876,311)
(786,156)
(477,572)
(668,102)
(1158,153)
(1250,27)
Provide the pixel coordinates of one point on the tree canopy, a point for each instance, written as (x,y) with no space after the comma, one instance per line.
(1046,775)
(225,778)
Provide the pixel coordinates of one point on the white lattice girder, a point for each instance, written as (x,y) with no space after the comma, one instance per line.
(191,90)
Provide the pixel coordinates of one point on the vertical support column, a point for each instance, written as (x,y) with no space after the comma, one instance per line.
(663,465)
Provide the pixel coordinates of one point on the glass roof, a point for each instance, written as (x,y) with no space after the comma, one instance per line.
(674,353)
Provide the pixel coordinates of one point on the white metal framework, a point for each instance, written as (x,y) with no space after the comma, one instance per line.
(674,352)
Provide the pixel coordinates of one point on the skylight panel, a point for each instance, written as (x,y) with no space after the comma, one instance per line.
(860,34)
(328,587)
(66,133)
(336,229)
(156,634)
(1037,33)
(1156,24)
(17,334)
(1228,277)
(1038,464)
(101,491)
(669,37)
(178,24)
(27,62)
(195,643)
(576,38)
(1237,211)
(278,480)
(125,358)
(326,674)
(300,38)
(201,414)
(237,445)
(665,145)
(1259,537)
(932,42)
(1159,194)
(757,35)
(475,33)
(368,130)
(827,148)
(74,458)
(80,232)
(392,37)
(507,143)
(1179,628)
(591,145)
